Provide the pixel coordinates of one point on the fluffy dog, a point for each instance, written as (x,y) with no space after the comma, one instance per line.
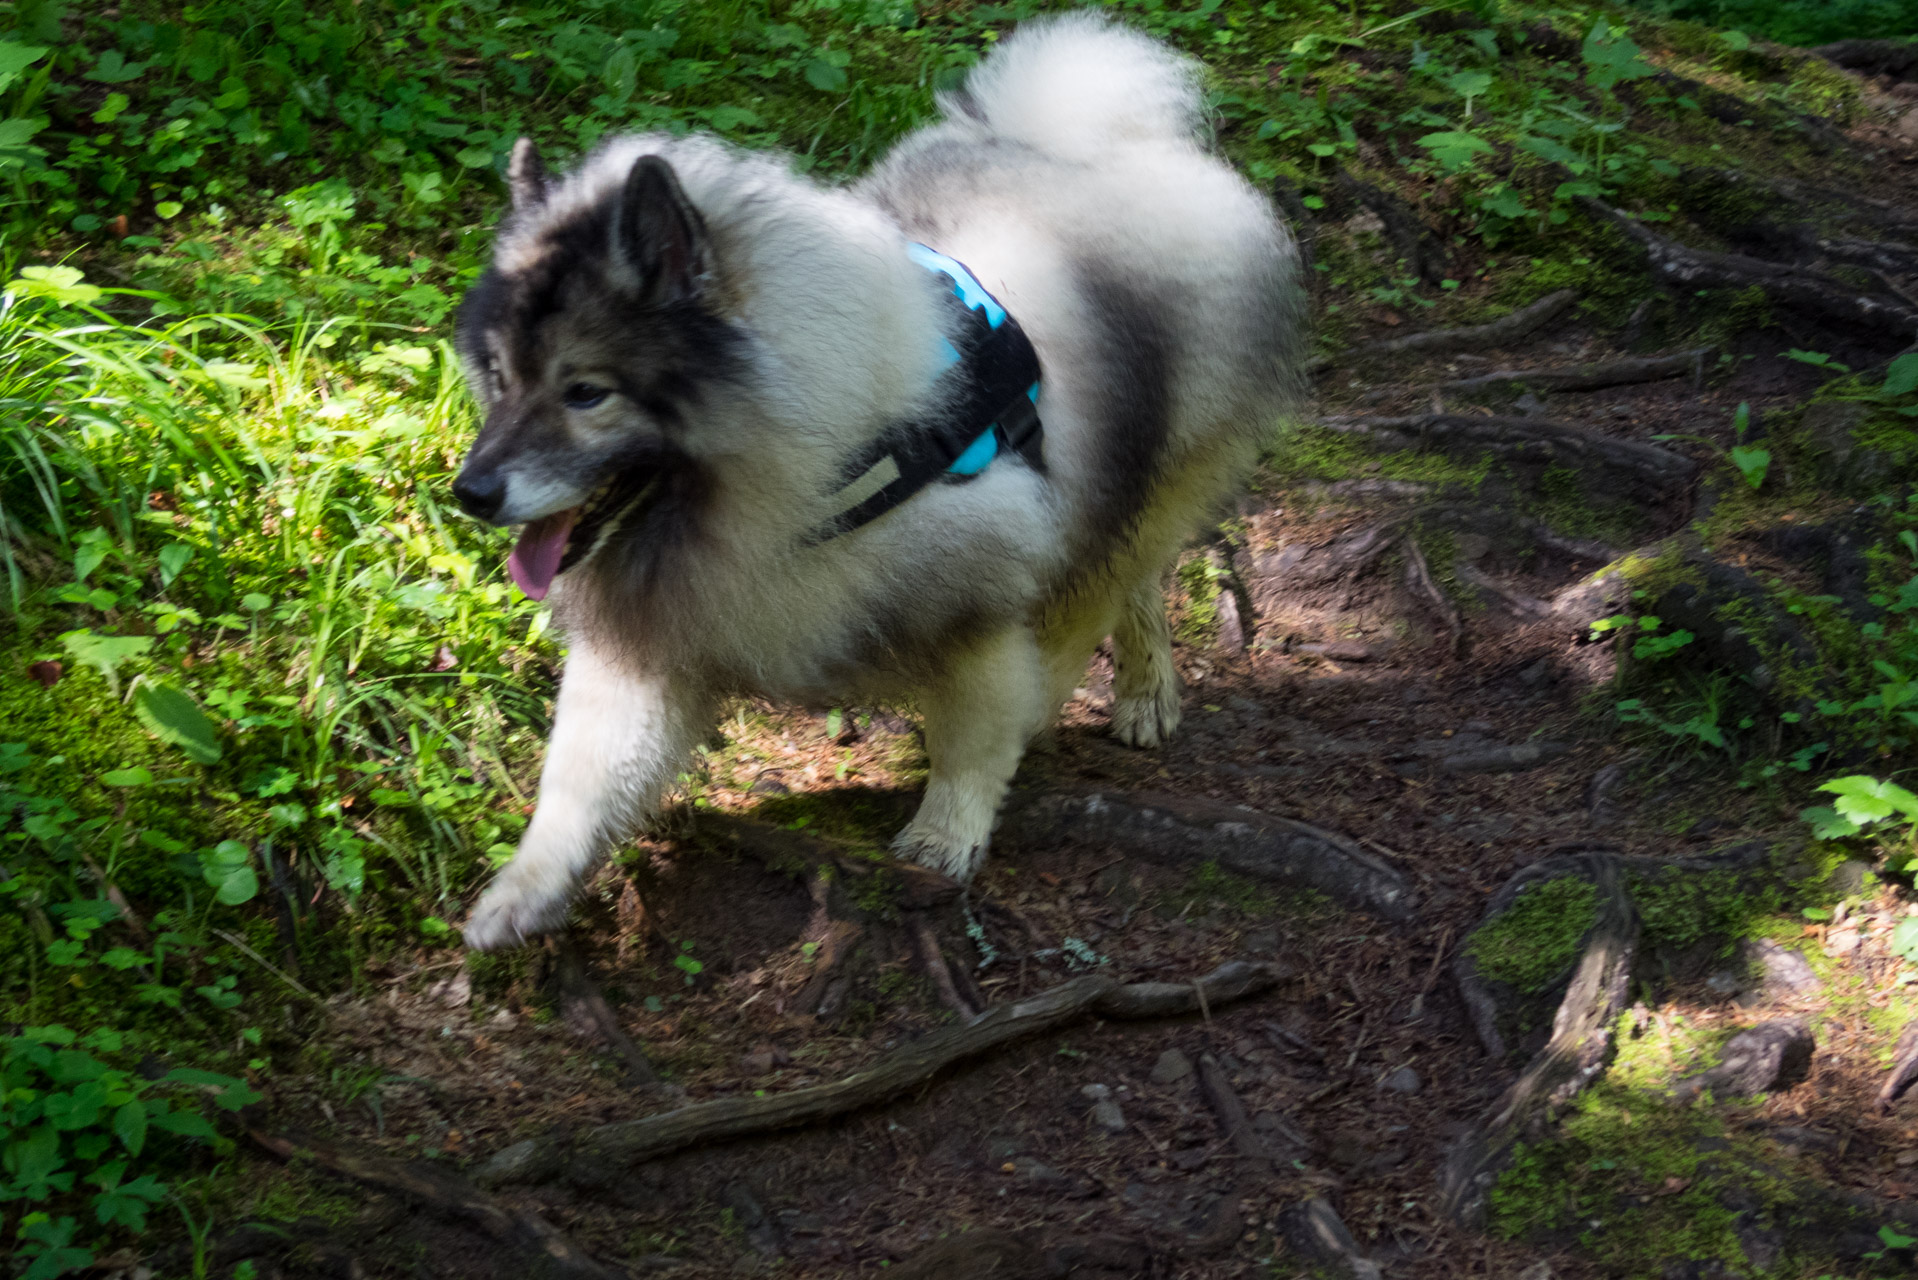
(698,369)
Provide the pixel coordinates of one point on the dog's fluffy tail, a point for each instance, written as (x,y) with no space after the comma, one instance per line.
(1078,86)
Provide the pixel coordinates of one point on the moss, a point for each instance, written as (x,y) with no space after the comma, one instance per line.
(1532,942)
(1197,618)
(1212,888)
(1680,910)
(1306,452)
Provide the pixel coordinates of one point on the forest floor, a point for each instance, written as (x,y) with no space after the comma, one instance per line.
(1335,710)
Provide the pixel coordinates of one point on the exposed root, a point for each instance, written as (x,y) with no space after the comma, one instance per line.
(1254,1151)
(1810,292)
(1623,468)
(1421,249)
(1184,831)
(582,1003)
(926,943)
(1477,337)
(1591,377)
(1418,576)
(1580,1043)
(1895,58)
(1904,1068)
(545,1250)
(599,1155)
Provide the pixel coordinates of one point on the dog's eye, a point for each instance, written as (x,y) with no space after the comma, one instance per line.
(584,395)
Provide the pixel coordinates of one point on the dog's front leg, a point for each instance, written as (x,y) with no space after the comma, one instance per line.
(618,741)
(978,719)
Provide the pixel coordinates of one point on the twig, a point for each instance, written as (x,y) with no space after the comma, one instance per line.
(601,1154)
(270,967)
(576,988)
(550,1252)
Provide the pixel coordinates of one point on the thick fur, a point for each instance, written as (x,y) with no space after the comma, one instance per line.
(752,330)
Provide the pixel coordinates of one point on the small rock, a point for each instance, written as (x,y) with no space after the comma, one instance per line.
(1231,627)
(1403,1080)
(1848,877)
(1768,1056)
(1171,1067)
(1001,1147)
(769,784)
(1725,982)
(1106,1114)
(1841,942)
(1528,404)
(1537,1271)
(1786,972)
(455,992)
(1095,1092)
(1190,1158)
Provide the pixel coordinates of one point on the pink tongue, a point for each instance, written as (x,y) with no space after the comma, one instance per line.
(536,556)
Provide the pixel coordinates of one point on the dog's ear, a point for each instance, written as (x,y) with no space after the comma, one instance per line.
(660,235)
(526,176)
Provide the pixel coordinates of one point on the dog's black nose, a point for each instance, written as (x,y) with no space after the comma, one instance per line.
(482,496)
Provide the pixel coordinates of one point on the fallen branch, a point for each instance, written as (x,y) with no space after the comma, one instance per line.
(1589,377)
(1477,337)
(547,1251)
(1807,291)
(1254,1150)
(1576,1053)
(933,961)
(600,1154)
(1184,831)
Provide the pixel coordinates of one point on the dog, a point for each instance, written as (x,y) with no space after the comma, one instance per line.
(927,439)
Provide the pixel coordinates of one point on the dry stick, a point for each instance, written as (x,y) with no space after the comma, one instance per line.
(1588,377)
(553,1254)
(600,1154)
(1581,1039)
(270,967)
(1804,289)
(577,988)
(1475,337)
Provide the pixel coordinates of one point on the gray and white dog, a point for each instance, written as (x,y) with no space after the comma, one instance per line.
(690,360)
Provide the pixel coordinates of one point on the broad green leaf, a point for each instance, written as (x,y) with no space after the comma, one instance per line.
(1828,824)
(1901,377)
(1454,148)
(15,58)
(127,778)
(1904,939)
(104,654)
(172,717)
(1469,84)
(824,76)
(130,1126)
(173,558)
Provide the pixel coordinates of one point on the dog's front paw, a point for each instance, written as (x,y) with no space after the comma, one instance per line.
(513,909)
(1146,720)
(939,853)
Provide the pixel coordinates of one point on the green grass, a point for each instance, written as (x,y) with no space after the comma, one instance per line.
(258,681)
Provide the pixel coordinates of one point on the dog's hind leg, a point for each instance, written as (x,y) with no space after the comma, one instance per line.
(978,718)
(618,742)
(1145,686)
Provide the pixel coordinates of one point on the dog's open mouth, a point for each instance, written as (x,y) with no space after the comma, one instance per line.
(551,545)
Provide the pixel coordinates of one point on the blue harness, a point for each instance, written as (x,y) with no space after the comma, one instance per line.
(993,377)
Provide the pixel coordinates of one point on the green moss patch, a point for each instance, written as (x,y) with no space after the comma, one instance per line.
(1533,941)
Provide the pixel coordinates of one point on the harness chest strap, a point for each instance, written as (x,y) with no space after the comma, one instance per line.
(994,408)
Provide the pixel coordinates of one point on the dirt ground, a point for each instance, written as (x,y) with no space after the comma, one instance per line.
(1333,711)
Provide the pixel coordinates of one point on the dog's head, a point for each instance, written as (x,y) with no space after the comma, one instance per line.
(587,345)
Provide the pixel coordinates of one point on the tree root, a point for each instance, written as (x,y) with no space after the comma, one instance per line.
(546,1252)
(582,1003)
(1580,1044)
(1895,58)
(1478,337)
(1809,292)
(1422,250)
(599,1155)
(1418,576)
(1590,377)
(1627,468)
(1904,1068)
(1184,831)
